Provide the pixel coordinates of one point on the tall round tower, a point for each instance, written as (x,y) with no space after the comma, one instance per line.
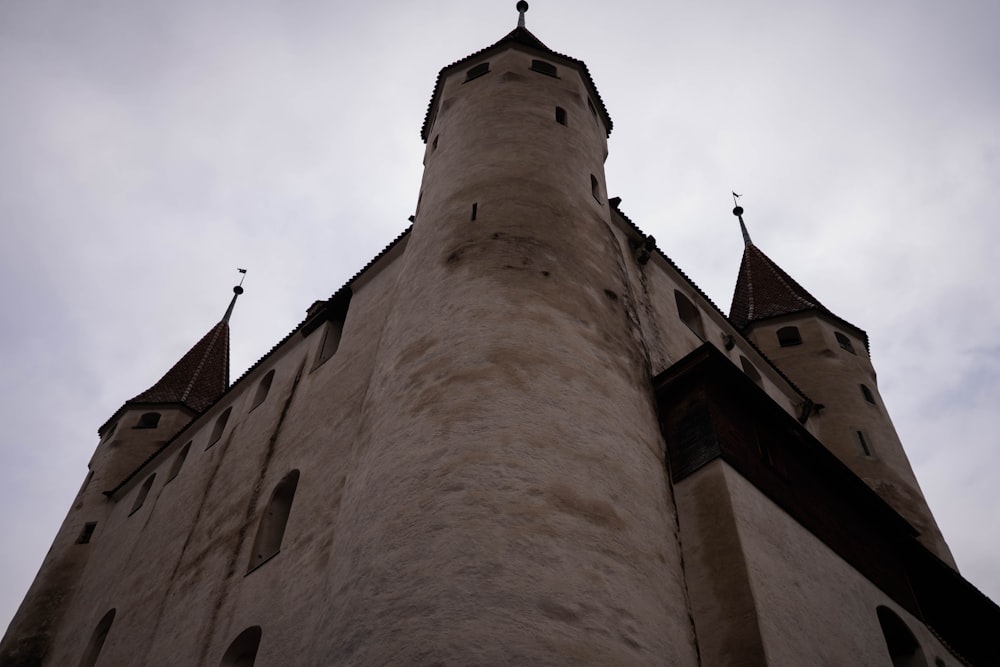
(486,522)
(828,358)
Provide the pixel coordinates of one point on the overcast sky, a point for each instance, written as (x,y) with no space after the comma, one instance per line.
(147,149)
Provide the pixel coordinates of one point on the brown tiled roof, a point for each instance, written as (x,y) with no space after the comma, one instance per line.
(523,36)
(763,290)
(199,378)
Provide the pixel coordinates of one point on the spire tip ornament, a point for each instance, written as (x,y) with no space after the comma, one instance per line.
(738,212)
(522,8)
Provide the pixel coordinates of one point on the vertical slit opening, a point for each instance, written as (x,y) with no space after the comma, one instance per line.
(475,210)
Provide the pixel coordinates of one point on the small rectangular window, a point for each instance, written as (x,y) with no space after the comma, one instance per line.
(86,533)
(560,115)
(789,336)
(477,71)
(543,67)
(844,342)
(865,449)
(475,210)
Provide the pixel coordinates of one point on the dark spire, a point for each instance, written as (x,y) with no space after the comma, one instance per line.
(738,212)
(763,290)
(202,375)
(236,293)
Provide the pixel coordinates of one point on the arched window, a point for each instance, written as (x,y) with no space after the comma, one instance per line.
(867,393)
(220,427)
(789,336)
(263,387)
(148,420)
(904,649)
(750,370)
(178,462)
(844,342)
(331,341)
(560,115)
(689,314)
(140,497)
(243,651)
(97,639)
(273,520)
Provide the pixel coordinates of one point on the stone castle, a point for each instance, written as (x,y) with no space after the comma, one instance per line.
(519,435)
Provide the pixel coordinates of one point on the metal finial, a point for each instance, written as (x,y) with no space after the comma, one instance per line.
(237,290)
(522,7)
(738,212)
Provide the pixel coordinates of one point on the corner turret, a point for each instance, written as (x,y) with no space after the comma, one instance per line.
(147,421)
(136,430)
(828,358)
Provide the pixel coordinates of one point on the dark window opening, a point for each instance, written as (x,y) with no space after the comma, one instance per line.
(689,314)
(789,336)
(149,420)
(97,640)
(263,387)
(331,341)
(750,370)
(86,533)
(904,649)
(219,428)
(560,115)
(543,67)
(273,521)
(475,210)
(477,71)
(867,393)
(335,316)
(594,189)
(434,146)
(140,497)
(243,651)
(844,342)
(863,442)
(178,462)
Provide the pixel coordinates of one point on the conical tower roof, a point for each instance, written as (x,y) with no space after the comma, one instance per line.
(199,378)
(764,290)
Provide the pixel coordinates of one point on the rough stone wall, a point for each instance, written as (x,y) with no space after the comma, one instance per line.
(833,376)
(176,570)
(820,612)
(509,503)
